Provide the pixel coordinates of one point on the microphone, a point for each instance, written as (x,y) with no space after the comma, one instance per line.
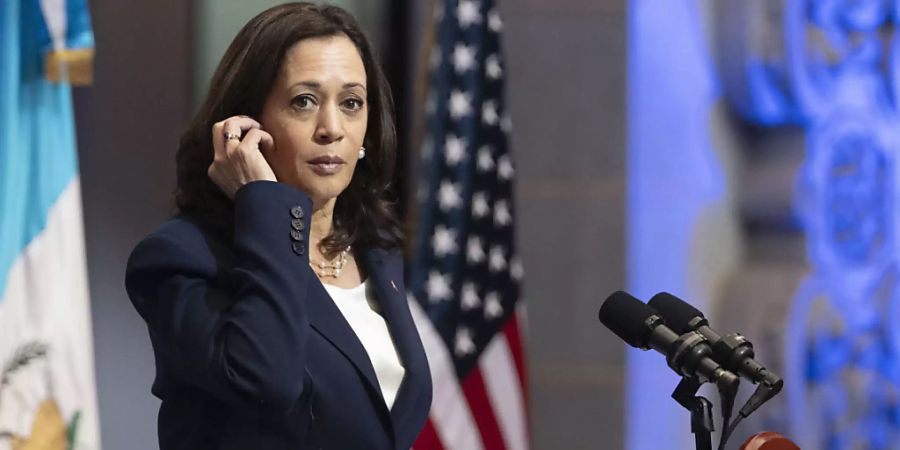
(642,327)
(733,351)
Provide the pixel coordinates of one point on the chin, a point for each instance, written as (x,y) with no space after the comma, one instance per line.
(319,188)
(323,191)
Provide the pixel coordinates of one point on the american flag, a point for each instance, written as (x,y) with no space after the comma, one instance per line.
(465,275)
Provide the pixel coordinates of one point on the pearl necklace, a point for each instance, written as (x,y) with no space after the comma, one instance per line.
(331,269)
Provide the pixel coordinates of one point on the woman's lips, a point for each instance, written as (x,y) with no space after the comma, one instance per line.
(326,165)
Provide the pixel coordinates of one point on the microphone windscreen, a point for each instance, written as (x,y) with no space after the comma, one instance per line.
(626,316)
(676,312)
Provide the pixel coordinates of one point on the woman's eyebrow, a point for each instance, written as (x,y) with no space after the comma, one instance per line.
(354,85)
(310,84)
(318,86)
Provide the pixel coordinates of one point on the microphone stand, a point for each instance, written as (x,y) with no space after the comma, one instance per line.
(700,408)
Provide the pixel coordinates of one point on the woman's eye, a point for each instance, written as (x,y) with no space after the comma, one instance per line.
(303,102)
(353,104)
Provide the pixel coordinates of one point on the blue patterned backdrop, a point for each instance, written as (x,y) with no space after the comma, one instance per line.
(829,68)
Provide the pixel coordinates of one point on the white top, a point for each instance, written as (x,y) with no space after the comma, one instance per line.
(359,307)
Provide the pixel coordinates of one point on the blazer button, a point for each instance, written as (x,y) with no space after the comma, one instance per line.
(297,212)
(297,235)
(298,247)
(298,224)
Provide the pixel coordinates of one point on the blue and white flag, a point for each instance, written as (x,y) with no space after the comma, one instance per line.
(47,390)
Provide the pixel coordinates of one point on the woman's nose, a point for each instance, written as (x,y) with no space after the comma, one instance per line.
(329,128)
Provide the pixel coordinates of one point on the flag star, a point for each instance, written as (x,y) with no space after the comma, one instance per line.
(505,168)
(492,306)
(448,196)
(480,206)
(496,259)
(460,104)
(489,113)
(502,216)
(494,22)
(464,343)
(474,250)
(470,298)
(485,160)
(443,241)
(492,66)
(438,287)
(463,58)
(454,149)
(468,13)
(516,271)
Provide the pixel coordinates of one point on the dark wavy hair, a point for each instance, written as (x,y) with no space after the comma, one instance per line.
(363,214)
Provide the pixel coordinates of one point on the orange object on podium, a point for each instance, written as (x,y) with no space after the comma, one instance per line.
(768,440)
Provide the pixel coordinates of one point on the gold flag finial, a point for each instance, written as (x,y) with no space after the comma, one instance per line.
(73,66)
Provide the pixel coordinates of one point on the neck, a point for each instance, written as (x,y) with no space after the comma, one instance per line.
(321,222)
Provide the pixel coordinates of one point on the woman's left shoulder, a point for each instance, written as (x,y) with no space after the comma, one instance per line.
(385,255)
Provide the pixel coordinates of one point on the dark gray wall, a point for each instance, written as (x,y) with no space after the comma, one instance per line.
(128,125)
(566,94)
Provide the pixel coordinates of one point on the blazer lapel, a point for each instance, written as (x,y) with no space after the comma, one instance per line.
(327,319)
(385,272)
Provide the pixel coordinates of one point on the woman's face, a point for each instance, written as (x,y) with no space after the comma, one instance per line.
(317,114)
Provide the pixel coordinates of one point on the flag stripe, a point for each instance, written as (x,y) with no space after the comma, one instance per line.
(428,438)
(514,339)
(502,380)
(36,163)
(450,413)
(482,410)
(55,314)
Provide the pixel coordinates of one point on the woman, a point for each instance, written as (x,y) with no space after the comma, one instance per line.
(275,300)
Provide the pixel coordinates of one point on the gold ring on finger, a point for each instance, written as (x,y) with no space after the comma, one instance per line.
(230,136)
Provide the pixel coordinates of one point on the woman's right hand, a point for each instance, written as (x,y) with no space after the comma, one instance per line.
(239,160)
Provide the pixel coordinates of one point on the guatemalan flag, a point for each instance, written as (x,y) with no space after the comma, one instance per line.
(47,392)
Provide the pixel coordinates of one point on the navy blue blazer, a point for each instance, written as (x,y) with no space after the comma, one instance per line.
(252,353)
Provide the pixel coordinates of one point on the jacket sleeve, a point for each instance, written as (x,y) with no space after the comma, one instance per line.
(243,342)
